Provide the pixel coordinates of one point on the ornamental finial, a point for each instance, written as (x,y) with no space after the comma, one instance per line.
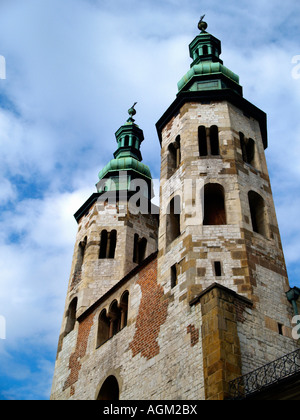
(132,112)
(202,25)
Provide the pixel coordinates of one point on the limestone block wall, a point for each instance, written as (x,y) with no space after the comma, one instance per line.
(95,276)
(99,275)
(229,243)
(259,333)
(156,356)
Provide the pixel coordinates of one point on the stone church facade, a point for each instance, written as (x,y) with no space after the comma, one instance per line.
(177,302)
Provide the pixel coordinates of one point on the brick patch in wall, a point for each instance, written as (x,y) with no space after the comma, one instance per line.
(80,351)
(191,329)
(152,314)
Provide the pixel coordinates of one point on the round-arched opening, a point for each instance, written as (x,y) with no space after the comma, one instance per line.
(109,390)
(258,213)
(71,316)
(214,205)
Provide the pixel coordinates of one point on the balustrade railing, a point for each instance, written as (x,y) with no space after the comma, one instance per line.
(267,375)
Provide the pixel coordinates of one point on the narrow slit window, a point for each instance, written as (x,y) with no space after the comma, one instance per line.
(173,219)
(218,268)
(174,276)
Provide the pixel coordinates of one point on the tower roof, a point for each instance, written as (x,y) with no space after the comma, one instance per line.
(127,159)
(207,70)
(209,80)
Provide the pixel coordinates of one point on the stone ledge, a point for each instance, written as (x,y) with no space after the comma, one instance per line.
(235,295)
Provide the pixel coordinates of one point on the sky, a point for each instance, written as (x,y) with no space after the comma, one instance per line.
(73,69)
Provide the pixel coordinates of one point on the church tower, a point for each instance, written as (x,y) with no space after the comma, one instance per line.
(180,307)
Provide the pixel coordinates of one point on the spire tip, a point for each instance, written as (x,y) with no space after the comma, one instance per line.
(202,26)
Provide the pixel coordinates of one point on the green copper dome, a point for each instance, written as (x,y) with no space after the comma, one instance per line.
(125,164)
(208,69)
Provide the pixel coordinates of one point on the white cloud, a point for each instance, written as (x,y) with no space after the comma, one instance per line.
(35,265)
(8,192)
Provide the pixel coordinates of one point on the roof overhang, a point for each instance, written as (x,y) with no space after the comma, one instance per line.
(229,95)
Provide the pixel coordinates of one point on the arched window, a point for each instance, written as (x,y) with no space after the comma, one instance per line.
(112,244)
(81,252)
(126,142)
(214,140)
(108,243)
(174,275)
(124,309)
(109,390)
(178,149)
(173,219)
(79,262)
(114,314)
(139,251)
(135,248)
(171,160)
(82,247)
(71,316)
(248,149)
(174,156)
(214,205)
(103,328)
(202,141)
(103,244)
(208,141)
(115,320)
(243,146)
(258,213)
